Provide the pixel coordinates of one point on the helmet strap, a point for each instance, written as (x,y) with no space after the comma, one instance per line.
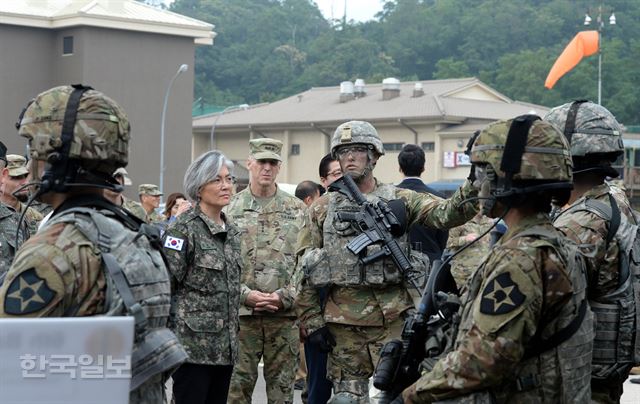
(62,170)
(570,123)
(514,148)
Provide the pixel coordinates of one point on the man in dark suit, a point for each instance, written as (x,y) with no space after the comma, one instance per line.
(430,241)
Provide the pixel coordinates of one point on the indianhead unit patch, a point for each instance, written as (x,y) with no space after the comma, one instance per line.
(501,295)
(27,293)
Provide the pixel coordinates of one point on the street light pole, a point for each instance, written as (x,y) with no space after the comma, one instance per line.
(183,68)
(600,22)
(215,121)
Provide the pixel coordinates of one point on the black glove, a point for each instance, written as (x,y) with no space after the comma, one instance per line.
(323,339)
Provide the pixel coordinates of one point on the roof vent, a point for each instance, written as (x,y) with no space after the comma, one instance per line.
(346,91)
(359,88)
(390,88)
(417,90)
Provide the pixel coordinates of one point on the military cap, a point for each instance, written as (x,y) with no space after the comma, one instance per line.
(124,174)
(266,148)
(17,165)
(149,189)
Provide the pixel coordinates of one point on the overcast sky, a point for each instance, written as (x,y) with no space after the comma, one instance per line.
(359,10)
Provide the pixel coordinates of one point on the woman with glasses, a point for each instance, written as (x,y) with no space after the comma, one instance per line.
(203,251)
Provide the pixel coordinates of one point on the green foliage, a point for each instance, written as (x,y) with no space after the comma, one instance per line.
(269,49)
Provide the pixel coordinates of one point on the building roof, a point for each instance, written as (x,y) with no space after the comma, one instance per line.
(115,14)
(452,101)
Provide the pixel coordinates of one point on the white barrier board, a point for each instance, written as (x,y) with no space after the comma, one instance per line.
(66,360)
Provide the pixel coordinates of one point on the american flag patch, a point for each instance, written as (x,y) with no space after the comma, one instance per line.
(174,243)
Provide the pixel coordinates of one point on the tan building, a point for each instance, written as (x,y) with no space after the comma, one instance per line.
(127,49)
(439,115)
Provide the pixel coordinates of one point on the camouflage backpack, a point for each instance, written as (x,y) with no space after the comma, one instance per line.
(617,342)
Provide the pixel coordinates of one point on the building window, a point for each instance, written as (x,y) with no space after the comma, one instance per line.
(67,45)
(393,147)
(295,149)
(428,146)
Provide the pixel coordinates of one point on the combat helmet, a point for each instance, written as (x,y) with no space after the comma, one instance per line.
(589,127)
(524,154)
(75,129)
(356,132)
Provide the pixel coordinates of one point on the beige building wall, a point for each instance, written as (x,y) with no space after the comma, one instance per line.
(313,145)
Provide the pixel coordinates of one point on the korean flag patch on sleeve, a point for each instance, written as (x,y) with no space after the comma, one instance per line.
(173,243)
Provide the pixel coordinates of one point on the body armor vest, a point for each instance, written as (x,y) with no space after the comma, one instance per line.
(553,369)
(334,264)
(137,285)
(616,344)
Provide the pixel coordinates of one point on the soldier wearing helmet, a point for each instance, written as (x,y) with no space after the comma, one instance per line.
(366,302)
(515,312)
(90,251)
(590,218)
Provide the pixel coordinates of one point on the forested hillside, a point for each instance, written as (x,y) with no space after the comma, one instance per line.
(269,49)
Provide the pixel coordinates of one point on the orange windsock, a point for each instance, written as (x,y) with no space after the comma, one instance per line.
(585,43)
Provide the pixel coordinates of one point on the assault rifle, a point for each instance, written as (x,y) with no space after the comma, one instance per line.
(378,223)
(399,363)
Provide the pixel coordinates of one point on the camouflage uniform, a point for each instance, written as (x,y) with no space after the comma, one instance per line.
(204,260)
(268,264)
(62,271)
(41,207)
(362,318)
(134,207)
(507,300)
(32,216)
(463,264)
(596,141)
(525,332)
(8,225)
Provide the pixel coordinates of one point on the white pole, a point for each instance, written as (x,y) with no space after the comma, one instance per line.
(183,68)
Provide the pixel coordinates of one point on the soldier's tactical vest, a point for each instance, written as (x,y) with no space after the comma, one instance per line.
(617,341)
(556,366)
(334,264)
(137,285)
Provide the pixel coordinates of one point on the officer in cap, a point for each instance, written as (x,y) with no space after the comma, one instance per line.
(150,200)
(9,223)
(366,302)
(92,258)
(269,220)
(14,194)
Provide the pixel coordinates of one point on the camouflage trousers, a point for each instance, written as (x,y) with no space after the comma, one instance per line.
(354,358)
(150,392)
(275,340)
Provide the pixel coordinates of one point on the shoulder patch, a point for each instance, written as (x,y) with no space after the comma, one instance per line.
(27,293)
(501,295)
(173,243)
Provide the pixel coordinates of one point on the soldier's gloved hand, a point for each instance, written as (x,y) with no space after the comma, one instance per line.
(323,338)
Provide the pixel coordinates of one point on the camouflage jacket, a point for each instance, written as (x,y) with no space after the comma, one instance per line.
(204,260)
(365,306)
(463,264)
(268,245)
(522,289)
(8,226)
(154,217)
(133,207)
(42,207)
(590,229)
(32,216)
